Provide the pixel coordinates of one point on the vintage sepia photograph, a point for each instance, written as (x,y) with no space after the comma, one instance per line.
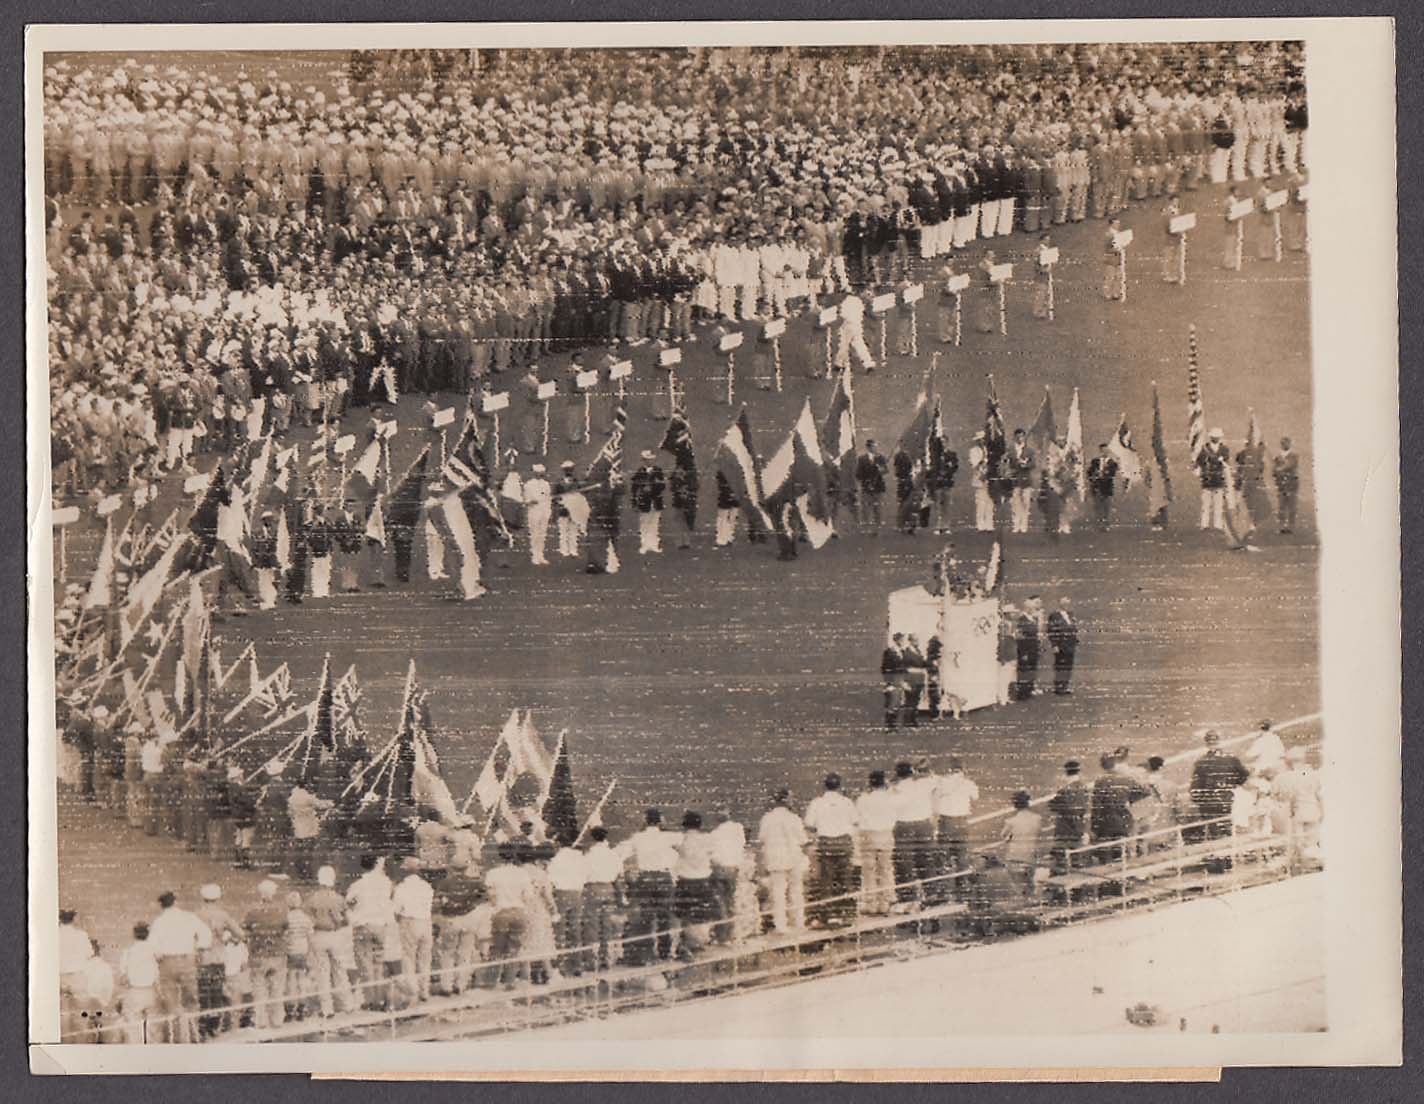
(565,544)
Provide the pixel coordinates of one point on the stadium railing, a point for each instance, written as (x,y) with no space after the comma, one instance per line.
(1104,878)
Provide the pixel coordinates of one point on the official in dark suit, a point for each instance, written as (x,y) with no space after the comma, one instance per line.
(1063,639)
(1070,807)
(1102,482)
(1026,651)
(870,470)
(1214,776)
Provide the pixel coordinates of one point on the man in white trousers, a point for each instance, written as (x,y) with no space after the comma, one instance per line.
(538,508)
(980,476)
(783,840)
(852,338)
(647,488)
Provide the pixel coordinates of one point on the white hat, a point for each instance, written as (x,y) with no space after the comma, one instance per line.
(537,469)
(647,454)
(211,892)
(267,889)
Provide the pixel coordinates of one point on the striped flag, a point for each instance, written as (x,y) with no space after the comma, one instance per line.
(735,459)
(678,442)
(1196,416)
(1129,464)
(1074,448)
(796,475)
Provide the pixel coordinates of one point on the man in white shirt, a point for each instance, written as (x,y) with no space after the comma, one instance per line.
(177,936)
(371,915)
(602,891)
(783,840)
(875,809)
(538,509)
(833,819)
(411,901)
(953,797)
(508,886)
(139,970)
(304,809)
(653,853)
(729,846)
(914,831)
(568,873)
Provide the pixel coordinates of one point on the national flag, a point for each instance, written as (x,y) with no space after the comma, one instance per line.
(324,727)
(409,494)
(469,448)
(1129,464)
(595,818)
(383,375)
(996,442)
(265,698)
(735,459)
(451,524)
(465,471)
(195,623)
(527,753)
(101,583)
(796,475)
(678,442)
(1073,454)
(560,808)
(604,489)
(1196,415)
(346,711)
(145,594)
(1044,430)
(1158,475)
(489,786)
(838,438)
(204,522)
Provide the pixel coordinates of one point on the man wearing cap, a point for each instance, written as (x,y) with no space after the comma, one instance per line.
(331,949)
(1214,776)
(1212,466)
(211,970)
(537,497)
(646,490)
(178,937)
(833,820)
(981,479)
(1070,807)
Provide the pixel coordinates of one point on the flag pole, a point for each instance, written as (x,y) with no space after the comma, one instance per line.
(597,811)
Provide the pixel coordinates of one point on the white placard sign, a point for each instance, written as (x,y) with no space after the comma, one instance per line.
(828,316)
(1240,209)
(194,484)
(493,402)
(621,370)
(726,345)
(1122,239)
(584,380)
(1182,223)
(882,303)
(957,283)
(775,328)
(344,444)
(547,390)
(108,505)
(442,417)
(66,516)
(1048,257)
(668,357)
(1001,273)
(1276,200)
(913,294)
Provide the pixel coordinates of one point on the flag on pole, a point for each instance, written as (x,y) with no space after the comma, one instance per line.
(1196,415)
(1073,451)
(346,711)
(796,475)
(996,442)
(603,486)
(1129,464)
(595,818)
(560,808)
(1043,433)
(838,438)
(735,459)
(1159,478)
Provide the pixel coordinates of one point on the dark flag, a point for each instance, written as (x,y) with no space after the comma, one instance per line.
(560,809)
(995,445)
(604,489)
(1160,488)
(678,441)
(1044,432)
